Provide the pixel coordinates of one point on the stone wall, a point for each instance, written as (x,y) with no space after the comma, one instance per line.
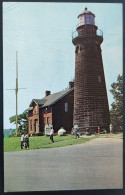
(90,95)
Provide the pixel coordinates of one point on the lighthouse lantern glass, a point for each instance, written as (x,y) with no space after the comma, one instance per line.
(86,19)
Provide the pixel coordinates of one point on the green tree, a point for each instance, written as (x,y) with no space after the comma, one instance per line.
(116,112)
(22,121)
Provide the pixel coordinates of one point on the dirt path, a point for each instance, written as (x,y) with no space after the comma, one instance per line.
(105,139)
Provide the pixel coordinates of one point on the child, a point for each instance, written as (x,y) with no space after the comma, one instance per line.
(26,140)
(22,140)
(76,128)
(51,134)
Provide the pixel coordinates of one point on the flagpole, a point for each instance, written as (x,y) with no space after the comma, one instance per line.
(16,90)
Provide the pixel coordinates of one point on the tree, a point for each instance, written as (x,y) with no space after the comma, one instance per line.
(22,121)
(116,112)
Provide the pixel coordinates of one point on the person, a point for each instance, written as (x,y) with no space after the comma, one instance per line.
(104,131)
(98,130)
(51,134)
(111,128)
(76,128)
(22,140)
(95,133)
(28,135)
(26,140)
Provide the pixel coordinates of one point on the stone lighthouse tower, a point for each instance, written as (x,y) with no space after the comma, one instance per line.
(90,96)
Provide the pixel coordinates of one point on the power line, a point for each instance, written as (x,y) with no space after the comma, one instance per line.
(32,28)
(39,28)
(11,7)
(110,34)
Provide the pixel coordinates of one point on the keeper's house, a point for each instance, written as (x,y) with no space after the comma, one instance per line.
(54,109)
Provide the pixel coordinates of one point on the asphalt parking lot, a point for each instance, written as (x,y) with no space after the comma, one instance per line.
(96,164)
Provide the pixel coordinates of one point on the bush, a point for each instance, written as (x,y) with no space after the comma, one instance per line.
(37,134)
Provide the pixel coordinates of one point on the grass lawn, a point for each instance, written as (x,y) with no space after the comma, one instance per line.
(13,143)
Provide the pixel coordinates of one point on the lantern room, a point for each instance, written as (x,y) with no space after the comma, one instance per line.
(86,17)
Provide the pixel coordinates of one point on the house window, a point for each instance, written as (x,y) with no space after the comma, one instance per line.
(35,109)
(99,79)
(31,125)
(66,107)
(48,120)
(36,125)
(44,121)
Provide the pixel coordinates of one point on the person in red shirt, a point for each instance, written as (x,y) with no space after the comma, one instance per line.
(98,130)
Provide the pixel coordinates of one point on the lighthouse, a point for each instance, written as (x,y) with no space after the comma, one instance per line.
(91,108)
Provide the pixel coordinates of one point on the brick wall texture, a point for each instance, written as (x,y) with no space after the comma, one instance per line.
(33,119)
(90,95)
(60,118)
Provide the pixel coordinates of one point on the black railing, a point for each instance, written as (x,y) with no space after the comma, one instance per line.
(98,33)
(74,34)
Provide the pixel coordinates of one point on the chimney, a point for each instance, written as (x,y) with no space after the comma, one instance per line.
(71,84)
(47,93)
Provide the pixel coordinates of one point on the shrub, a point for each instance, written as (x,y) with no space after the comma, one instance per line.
(37,134)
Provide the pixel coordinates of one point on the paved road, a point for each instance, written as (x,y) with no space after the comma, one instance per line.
(85,166)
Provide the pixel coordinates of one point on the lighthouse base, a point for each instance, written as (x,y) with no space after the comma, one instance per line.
(93,130)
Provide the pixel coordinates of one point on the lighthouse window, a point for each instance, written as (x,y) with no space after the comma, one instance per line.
(66,107)
(87,19)
(81,20)
(78,48)
(99,79)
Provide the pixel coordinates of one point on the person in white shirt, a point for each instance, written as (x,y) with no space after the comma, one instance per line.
(76,128)
(51,134)
(22,140)
(111,128)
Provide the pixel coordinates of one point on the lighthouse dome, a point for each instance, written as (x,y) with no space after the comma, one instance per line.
(86,17)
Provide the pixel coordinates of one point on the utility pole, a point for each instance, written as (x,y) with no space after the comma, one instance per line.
(16,91)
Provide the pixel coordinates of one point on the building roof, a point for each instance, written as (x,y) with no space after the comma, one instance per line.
(86,11)
(28,109)
(38,101)
(51,99)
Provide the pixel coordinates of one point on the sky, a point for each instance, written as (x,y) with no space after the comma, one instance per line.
(41,33)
